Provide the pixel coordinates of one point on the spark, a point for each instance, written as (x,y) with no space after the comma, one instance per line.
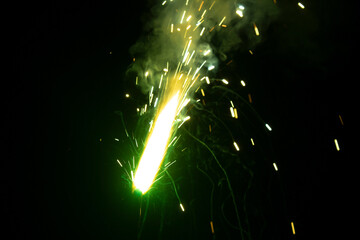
(212,227)
(119,162)
(222,20)
(201,4)
(232,112)
(182,18)
(211,67)
(252,142)
(202,31)
(240,13)
(207,52)
(341,120)
(225,81)
(301,5)
(336,144)
(257,33)
(146,73)
(212,5)
(250,99)
(156,146)
(275,167)
(243,83)
(127,95)
(182,207)
(293,228)
(268,127)
(236,146)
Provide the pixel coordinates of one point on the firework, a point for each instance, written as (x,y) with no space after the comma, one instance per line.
(187,31)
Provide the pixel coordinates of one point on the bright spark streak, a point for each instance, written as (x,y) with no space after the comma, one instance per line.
(236,146)
(202,31)
(222,20)
(268,127)
(293,228)
(256,30)
(156,146)
(240,13)
(225,81)
(336,144)
(182,207)
(243,83)
(301,5)
(275,167)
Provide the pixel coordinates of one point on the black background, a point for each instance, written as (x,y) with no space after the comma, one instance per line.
(60,181)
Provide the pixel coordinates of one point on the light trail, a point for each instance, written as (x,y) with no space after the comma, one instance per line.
(156,146)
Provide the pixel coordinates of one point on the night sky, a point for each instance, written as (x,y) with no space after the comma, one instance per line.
(59,175)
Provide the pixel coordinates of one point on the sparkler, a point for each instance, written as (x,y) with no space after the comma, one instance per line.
(183,61)
(187,33)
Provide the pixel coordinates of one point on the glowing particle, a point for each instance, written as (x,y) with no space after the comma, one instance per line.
(232,112)
(207,80)
(146,73)
(251,52)
(275,167)
(188,18)
(207,52)
(203,14)
(202,92)
(257,33)
(243,83)
(209,127)
(182,18)
(241,7)
(182,207)
(185,119)
(341,121)
(225,81)
(250,99)
(211,67)
(236,146)
(212,227)
(100,139)
(172,28)
(116,139)
(127,95)
(201,4)
(268,127)
(212,5)
(202,31)
(252,141)
(222,20)
(163,3)
(240,13)
(301,5)
(235,113)
(293,228)
(336,144)
(232,104)
(119,162)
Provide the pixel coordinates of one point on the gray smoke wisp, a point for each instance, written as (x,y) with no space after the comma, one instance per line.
(215,28)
